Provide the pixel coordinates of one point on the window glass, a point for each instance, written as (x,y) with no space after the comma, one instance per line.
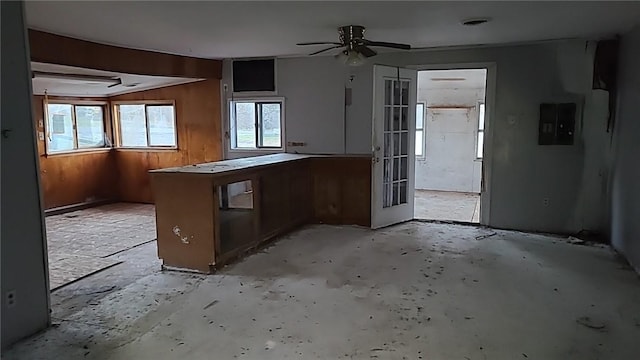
(60,127)
(256,124)
(245,115)
(271,134)
(90,126)
(419,147)
(479,148)
(161,125)
(419,129)
(133,125)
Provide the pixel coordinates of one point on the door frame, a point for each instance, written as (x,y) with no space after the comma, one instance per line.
(487,157)
(401,212)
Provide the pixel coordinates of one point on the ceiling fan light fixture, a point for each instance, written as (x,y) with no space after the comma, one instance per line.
(354,58)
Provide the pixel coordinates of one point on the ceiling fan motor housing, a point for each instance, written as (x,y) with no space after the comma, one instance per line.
(351,35)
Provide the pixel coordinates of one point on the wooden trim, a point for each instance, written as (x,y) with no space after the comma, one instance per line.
(63,50)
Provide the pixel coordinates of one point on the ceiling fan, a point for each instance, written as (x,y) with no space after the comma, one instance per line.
(356,47)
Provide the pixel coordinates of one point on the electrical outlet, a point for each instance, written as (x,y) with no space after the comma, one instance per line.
(11,298)
(545,201)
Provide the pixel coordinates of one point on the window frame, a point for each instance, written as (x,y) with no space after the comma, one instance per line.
(423,129)
(480,131)
(73,103)
(231,119)
(118,128)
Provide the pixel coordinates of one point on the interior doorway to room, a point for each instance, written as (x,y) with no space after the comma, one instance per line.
(450,118)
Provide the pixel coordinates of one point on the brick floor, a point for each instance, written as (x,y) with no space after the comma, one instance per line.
(84,241)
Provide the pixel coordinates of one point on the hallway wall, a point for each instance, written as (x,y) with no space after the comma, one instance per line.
(625,193)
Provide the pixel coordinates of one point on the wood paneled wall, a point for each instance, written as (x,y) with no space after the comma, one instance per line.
(76,177)
(121,174)
(199,136)
(342,190)
(57,49)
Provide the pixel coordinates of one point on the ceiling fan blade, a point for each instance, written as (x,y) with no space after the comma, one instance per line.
(387,44)
(327,49)
(366,51)
(319,43)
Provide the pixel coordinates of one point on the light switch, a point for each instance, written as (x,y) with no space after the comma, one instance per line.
(40,135)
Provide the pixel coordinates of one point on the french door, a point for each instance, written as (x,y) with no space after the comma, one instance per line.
(394,126)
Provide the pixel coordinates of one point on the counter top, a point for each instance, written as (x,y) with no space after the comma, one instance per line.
(224,166)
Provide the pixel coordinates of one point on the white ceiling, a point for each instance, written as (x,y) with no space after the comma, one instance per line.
(68,87)
(243,29)
(452,79)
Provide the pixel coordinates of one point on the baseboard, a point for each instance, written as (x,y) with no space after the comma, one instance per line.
(74,207)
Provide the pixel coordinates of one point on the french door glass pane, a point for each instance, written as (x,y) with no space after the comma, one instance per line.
(404,121)
(388,92)
(133,125)
(162,130)
(245,118)
(405,93)
(396,118)
(60,127)
(90,126)
(270,131)
(404,142)
(419,136)
(387,145)
(396,142)
(396,92)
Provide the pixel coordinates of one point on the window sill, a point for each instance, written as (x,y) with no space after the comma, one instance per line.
(256,150)
(148,149)
(77,152)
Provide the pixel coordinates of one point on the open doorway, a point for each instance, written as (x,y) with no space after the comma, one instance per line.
(450,117)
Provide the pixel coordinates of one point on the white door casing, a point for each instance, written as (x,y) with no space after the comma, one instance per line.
(393,145)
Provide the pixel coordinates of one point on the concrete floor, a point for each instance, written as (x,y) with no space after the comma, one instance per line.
(83,242)
(411,291)
(447,205)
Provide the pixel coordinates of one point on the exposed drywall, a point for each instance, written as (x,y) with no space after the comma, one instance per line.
(313,90)
(24,275)
(522,173)
(625,191)
(451,122)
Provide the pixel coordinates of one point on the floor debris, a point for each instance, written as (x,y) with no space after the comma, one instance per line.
(485,236)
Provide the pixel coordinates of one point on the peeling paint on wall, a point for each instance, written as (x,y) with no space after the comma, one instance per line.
(183,239)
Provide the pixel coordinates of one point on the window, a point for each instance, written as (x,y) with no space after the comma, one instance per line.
(146,125)
(420,130)
(256,124)
(480,144)
(74,126)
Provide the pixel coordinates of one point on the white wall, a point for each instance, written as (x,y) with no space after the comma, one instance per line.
(313,89)
(450,162)
(23,251)
(625,184)
(521,174)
